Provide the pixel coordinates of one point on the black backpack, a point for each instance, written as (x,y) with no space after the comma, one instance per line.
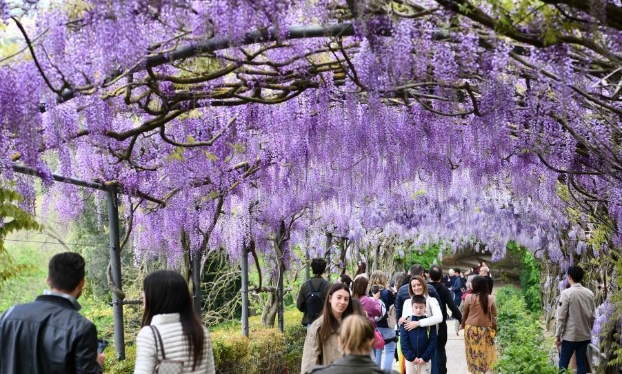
(315,300)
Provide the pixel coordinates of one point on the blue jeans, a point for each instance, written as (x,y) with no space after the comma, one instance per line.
(580,351)
(389,349)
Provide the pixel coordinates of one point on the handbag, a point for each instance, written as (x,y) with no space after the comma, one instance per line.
(164,366)
(378,340)
(492,332)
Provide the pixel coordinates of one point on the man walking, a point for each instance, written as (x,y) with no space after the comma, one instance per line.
(484,271)
(313,293)
(575,319)
(446,301)
(49,335)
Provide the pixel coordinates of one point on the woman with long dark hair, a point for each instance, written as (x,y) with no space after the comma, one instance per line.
(479,321)
(169,313)
(361,269)
(387,298)
(370,304)
(345,279)
(321,347)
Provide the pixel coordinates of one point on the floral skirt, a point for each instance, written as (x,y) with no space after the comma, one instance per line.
(481,352)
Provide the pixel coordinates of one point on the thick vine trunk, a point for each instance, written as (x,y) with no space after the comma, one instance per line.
(268,316)
(185,261)
(550,292)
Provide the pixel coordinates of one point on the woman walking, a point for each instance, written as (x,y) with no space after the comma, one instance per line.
(355,341)
(387,296)
(370,304)
(321,347)
(171,326)
(479,321)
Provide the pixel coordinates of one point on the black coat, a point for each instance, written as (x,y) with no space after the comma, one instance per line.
(301,302)
(446,301)
(47,336)
(388,298)
(350,364)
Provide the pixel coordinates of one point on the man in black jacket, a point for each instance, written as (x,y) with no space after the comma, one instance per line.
(316,284)
(446,300)
(49,335)
(484,271)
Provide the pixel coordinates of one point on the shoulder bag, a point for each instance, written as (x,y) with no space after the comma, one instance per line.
(164,366)
(492,332)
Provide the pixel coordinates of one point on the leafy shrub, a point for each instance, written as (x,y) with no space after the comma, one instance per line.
(529,277)
(521,341)
(230,352)
(263,352)
(266,348)
(426,255)
(266,351)
(294,343)
(112,365)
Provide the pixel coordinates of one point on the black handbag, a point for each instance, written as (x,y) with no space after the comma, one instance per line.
(164,366)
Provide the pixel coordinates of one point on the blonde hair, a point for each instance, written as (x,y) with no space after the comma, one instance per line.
(379,277)
(355,335)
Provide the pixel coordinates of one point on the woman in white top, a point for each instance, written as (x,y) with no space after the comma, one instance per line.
(168,308)
(432,308)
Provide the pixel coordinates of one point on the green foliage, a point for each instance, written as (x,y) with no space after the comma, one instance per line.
(294,343)
(529,277)
(611,329)
(230,351)
(521,341)
(265,351)
(233,353)
(112,365)
(100,313)
(12,218)
(92,235)
(27,285)
(426,255)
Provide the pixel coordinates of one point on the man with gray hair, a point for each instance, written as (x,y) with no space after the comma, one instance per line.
(484,271)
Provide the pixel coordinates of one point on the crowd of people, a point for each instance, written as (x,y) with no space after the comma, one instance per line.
(408,316)
(351,324)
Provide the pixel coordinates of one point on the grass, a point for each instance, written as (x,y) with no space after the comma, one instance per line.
(31,282)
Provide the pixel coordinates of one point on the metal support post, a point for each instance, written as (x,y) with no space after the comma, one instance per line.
(245,290)
(196,280)
(115,264)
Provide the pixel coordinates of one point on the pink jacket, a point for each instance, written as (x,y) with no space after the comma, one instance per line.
(371,307)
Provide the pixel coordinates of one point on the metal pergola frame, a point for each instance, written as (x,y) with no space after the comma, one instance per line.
(115,248)
(112,191)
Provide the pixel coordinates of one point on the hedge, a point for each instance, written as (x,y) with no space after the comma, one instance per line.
(521,342)
(266,351)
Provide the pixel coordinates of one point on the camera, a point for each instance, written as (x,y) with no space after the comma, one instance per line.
(375,289)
